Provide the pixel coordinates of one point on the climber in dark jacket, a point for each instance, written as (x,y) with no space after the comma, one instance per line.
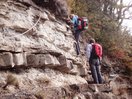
(76,31)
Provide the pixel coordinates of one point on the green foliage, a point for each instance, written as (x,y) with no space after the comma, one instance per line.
(105,28)
(78,7)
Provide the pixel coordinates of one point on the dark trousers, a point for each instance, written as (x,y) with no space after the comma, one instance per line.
(76,35)
(95,70)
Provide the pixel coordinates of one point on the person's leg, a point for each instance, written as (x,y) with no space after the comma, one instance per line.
(77,48)
(77,34)
(98,72)
(94,72)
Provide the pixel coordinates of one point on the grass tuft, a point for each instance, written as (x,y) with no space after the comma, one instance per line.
(40,95)
(44,80)
(11,80)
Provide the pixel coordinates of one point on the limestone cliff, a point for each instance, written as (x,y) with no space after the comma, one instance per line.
(38,57)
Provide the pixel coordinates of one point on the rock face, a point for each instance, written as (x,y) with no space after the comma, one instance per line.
(29,37)
(59,7)
(38,52)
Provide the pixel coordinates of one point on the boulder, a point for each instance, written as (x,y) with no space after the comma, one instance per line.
(32,60)
(48,60)
(6,59)
(74,70)
(19,59)
(65,64)
(83,71)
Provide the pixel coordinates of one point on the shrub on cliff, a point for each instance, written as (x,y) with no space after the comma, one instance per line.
(105,26)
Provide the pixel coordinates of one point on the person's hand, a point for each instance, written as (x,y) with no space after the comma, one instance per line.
(72,26)
(100,58)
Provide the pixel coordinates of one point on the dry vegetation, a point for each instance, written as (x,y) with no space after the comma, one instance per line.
(40,95)
(44,80)
(11,80)
(105,26)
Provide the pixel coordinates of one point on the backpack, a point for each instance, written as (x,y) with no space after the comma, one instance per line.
(82,23)
(96,51)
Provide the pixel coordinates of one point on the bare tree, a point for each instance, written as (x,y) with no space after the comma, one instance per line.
(116,10)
